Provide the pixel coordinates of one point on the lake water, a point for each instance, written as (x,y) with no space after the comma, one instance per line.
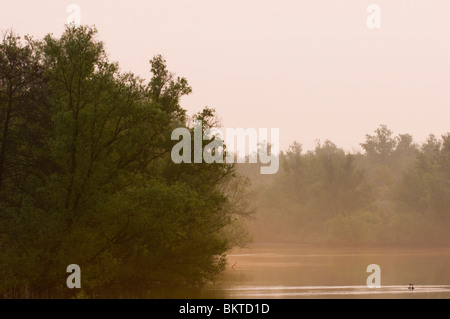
(297,272)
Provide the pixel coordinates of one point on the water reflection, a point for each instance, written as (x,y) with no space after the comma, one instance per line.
(296,272)
(330,291)
(293,271)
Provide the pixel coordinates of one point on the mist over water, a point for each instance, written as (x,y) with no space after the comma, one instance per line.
(295,271)
(290,271)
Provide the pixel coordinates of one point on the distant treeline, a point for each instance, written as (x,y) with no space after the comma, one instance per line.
(396,192)
(86,175)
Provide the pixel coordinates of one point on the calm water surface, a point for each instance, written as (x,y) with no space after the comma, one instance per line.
(290,271)
(295,272)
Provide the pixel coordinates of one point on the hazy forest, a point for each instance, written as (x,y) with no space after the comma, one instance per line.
(86,177)
(396,192)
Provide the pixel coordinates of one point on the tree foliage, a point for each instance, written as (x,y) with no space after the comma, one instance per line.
(396,192)
(86,175)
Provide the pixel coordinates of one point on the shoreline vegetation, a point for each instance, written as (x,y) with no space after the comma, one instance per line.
(86,178)
(396,192)
(86,175)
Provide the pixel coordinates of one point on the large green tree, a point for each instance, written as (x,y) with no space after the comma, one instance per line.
(104,192)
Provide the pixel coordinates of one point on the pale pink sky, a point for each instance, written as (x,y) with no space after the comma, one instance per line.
(311,68)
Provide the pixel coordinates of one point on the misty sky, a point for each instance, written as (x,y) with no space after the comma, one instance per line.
(311,68)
